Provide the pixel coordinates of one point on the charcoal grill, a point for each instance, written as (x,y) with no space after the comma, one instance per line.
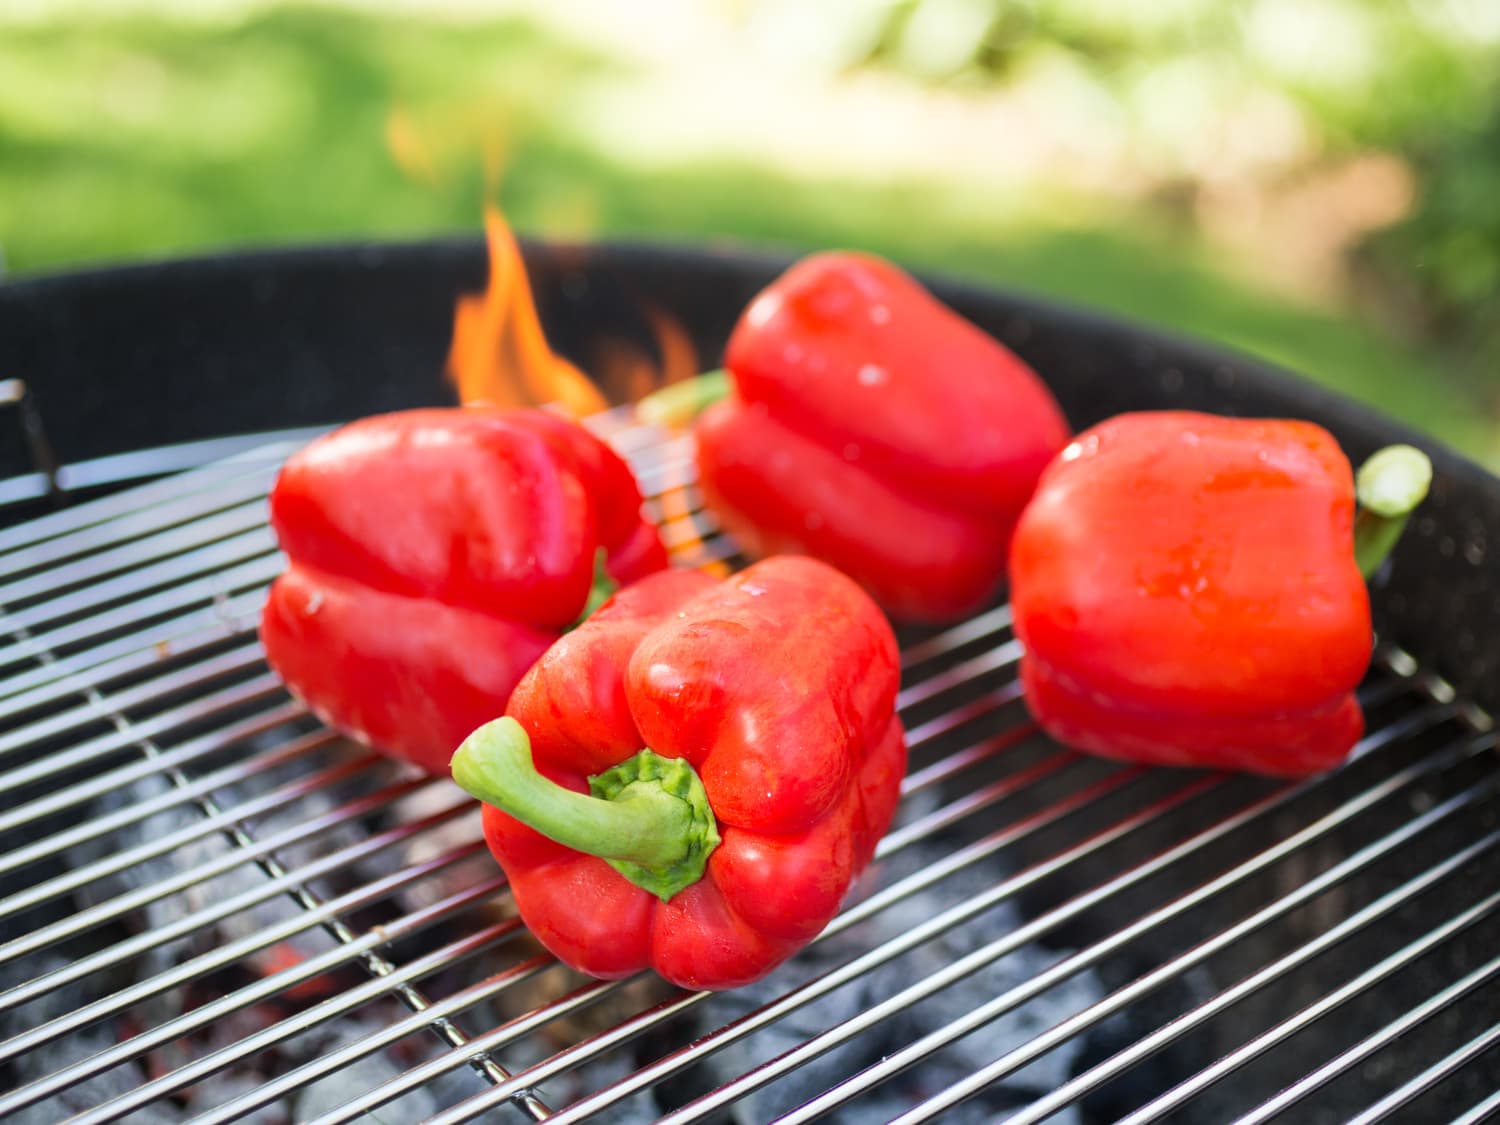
(215,910)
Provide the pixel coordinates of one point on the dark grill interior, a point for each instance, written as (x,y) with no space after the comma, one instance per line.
(214,910)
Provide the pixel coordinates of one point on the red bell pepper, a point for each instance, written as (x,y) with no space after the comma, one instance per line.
(874,428)
(692,778)
(434,555)
(1190,590)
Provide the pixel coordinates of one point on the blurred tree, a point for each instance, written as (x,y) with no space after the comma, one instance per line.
(1414,78)
(1200,164)
(1439,269)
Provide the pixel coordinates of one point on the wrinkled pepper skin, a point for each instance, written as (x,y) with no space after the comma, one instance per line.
(1186,592)
(778,686)
(434,554)
(872,427)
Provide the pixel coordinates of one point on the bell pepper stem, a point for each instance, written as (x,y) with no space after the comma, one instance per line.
(649,816)
(1389,486)
(677,404)
(603,588)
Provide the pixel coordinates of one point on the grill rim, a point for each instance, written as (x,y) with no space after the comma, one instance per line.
(754,263)
(1434,683)
(956,670)
(300,319)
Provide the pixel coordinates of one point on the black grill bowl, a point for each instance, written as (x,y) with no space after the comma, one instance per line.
(141,356)
(150,357)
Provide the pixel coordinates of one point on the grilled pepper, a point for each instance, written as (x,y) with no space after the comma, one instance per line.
(872,427)
(691,779)
(434,555)
(1190,589)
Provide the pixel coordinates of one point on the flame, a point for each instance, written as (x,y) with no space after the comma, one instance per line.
(499,354)
(630,367)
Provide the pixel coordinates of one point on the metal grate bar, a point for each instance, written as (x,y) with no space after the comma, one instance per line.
(659,461)
(72,479)
(997,659)
(377,986)
(682,537)
(1015,940)
(157,496)
(1270,973)
(954,764)
(1368,979)
(331,1063)
(1041,1044)
(137,524)
(953,678)
(61,676)
(101,826)
(963,857)
(630,437)
(139,605)
(1388,1034)
(198,919)
(976,628)
(214,589)
(244,523)
(204,560)
(724,1037)
(987,795)
(165,845)
(90,712)
(1482,1111)
(1445,1067)
(129,735)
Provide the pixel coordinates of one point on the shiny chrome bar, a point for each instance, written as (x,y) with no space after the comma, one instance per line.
(1419,1084)
(56,677)
(173,574)
(1174,967)
(244,523)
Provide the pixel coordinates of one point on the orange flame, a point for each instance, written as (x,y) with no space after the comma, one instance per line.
(500,355)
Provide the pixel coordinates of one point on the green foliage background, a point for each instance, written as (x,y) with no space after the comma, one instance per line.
(146,133)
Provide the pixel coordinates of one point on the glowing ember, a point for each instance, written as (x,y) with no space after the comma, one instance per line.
(499,355)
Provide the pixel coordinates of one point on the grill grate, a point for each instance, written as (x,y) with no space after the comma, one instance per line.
(215,910)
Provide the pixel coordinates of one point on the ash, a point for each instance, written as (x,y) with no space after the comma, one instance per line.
(942,1068)
(936,1072)
(80,1096)
(122,1024)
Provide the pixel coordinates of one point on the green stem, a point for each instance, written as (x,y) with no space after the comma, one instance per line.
(1389,487)
(677,404)
(601,591)
(648,816)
